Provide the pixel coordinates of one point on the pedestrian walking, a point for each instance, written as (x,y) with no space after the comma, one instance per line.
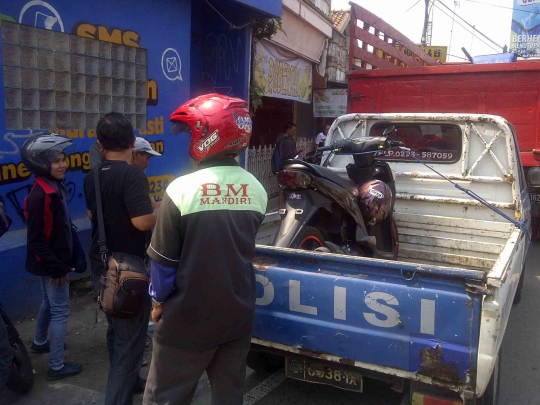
(128,216)
(202,278)
(53,248)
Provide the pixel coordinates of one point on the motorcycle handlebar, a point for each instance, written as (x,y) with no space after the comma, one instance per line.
(337,146)
(394,144)
(326,148)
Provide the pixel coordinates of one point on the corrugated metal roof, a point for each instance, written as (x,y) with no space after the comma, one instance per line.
(340,19)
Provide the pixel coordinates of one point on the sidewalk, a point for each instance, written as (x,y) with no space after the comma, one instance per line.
(87,345)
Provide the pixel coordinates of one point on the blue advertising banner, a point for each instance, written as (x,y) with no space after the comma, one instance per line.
(498,58)
(67,64)
(525,37)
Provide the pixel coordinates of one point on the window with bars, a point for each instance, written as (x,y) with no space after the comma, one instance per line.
(54,80)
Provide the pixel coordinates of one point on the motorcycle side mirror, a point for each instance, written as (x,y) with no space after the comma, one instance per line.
(389,131)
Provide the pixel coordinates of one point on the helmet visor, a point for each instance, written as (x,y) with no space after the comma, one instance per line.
(48,155)
(181,128)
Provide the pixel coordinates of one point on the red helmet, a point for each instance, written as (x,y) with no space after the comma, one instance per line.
(219,125)
(375,201)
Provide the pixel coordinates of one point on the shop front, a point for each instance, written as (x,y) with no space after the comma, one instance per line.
(285,79)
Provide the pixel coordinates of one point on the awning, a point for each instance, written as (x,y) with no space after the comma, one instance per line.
(270,7)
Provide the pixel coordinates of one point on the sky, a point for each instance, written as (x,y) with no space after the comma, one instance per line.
(494,22)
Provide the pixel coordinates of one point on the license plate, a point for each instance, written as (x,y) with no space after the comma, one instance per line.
(320,373)
(535,198)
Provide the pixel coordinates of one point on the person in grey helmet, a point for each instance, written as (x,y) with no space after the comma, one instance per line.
(53,248)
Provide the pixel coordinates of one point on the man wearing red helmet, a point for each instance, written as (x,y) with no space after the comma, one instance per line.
(202,279)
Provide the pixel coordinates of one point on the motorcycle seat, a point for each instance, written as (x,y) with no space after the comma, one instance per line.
(325,172)
(331,175)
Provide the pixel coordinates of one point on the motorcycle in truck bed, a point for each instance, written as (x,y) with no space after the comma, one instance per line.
(431,323)
(510,90)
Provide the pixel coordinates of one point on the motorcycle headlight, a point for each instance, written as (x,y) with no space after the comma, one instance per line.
(293,179)
(533,177)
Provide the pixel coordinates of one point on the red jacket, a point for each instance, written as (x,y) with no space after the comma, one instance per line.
(48,252)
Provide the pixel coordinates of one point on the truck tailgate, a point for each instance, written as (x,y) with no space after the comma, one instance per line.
(415,319)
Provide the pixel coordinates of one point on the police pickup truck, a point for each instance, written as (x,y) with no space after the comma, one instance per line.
(431,323)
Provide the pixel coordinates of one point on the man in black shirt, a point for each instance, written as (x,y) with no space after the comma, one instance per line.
(285,142)
(128,218)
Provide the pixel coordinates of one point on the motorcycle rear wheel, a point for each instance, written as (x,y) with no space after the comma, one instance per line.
(309,238)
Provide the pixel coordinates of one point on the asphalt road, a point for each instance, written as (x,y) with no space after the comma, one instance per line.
(86,343)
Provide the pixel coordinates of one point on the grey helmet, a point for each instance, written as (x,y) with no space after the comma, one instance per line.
(39,151)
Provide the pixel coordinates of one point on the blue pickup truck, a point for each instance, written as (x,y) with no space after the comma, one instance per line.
(431,323)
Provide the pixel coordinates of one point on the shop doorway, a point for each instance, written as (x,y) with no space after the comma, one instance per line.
(269,120)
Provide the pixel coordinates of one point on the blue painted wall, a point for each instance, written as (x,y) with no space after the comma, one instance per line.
(220,55)
(210,56)
(155,25)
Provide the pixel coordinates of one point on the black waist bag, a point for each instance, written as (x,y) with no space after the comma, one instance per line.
(125,286)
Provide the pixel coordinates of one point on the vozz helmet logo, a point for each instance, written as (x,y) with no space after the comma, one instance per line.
(203,146)
(376,193)
(244,123)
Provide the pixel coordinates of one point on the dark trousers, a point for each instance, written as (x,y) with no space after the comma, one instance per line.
(174,373)
(6,355)
(125,340)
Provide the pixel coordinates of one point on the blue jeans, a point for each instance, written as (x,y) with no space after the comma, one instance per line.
(125,340)
(53,315)
(6,355)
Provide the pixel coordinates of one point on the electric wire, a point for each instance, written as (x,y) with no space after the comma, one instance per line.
(231,25)
(413,6)
(457,22)
(505,7)
(470,25)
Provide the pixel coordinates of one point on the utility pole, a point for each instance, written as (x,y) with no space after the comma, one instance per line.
(426,23)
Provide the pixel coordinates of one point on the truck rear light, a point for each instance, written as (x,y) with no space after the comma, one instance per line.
(293,180)
(425,399)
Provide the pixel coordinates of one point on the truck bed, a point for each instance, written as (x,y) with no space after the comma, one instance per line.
(445,241)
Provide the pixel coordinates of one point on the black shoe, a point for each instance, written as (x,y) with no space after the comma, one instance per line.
(140,385)
(44,348)
(69,369)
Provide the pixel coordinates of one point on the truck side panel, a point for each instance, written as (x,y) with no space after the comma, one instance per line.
(511,90)
(370,313)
